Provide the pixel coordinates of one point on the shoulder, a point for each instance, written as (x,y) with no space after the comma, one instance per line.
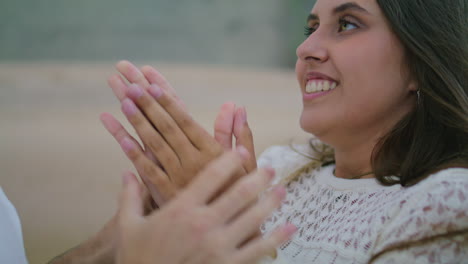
(284,159)
(435,206)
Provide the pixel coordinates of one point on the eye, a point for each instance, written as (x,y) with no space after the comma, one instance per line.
(345,25)
(309,30)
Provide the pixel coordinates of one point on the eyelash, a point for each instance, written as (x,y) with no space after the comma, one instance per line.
(341,21)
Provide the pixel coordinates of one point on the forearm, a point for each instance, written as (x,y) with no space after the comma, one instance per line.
(99,249)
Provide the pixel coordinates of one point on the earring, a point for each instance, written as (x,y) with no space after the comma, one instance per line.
(418,94)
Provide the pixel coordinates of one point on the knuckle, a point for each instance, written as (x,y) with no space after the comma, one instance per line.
(134,155)
(166,128)
(186,121)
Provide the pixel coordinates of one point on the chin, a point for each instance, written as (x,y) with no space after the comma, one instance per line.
(316,125)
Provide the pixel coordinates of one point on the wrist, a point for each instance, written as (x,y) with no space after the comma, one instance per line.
(100,248)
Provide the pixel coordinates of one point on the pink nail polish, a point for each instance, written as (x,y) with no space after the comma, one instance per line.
(270,171)
(244,115)
(290,229)
(135,91)
(155,91)
(127,144)
(280,191)
(128,107)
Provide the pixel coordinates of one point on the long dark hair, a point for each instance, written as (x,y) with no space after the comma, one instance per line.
(435,134)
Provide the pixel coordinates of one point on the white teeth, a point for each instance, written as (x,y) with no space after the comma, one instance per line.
(319,86)
(314,87)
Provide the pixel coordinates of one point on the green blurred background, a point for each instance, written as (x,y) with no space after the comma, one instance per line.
(241,32)
(58,165)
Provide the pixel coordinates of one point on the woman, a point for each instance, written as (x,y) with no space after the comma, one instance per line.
(384,87)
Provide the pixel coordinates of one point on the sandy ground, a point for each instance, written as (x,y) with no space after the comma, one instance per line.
(60,167)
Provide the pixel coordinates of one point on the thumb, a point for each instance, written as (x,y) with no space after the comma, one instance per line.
(131,202)
(244,137)
(223,125)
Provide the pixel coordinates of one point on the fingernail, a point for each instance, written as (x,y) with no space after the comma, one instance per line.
(128,107)
(271,172)
(243,152)
(135,91)
(280,191)
(244,115)
(127,144)
(155,91)
(289,229)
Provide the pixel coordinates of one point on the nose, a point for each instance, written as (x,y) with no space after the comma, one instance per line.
(313,49)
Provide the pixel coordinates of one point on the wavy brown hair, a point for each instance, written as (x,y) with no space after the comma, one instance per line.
(434,136)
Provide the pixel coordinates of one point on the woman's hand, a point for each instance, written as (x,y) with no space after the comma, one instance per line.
(199,226)
(179,144)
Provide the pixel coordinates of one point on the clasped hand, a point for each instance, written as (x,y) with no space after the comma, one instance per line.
(176,146)
(198,226)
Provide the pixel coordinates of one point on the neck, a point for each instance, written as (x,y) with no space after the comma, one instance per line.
(354,161)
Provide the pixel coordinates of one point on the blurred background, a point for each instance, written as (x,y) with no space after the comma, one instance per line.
(58,164)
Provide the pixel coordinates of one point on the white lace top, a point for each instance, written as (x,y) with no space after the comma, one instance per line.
(348,221)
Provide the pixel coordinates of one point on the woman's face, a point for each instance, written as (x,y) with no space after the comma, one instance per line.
(351,72)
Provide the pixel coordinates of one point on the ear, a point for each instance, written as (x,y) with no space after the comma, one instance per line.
(413,86)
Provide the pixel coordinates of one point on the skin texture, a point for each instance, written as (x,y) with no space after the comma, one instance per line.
(179,147)
(374,87)
(196,228)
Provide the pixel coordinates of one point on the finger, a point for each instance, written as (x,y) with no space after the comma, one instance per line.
(152,138)
(212,178)
(193,131)
(244,137)
(163,121)
(156,177)
(248,223)
(118,86)
(132,73)
(244,192)
(115,128)
(155,77)
(261,247)
(223,127)
(131,204)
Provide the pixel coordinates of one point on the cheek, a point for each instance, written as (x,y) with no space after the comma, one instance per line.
(300,70)
(373,72)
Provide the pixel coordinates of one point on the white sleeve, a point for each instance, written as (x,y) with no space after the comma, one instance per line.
(11,237)
(284,160)
(438,206)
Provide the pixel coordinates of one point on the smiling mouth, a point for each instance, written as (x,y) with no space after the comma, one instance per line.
(314,86)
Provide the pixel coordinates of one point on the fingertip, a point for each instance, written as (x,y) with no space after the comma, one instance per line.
(289,229)
(228,106)
(270,171)
(121,64)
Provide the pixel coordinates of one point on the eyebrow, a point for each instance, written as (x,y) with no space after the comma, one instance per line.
(349,6)
(340,9)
